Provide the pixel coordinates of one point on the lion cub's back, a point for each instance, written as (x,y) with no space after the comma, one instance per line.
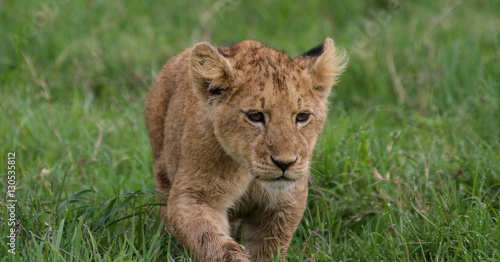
(172,80)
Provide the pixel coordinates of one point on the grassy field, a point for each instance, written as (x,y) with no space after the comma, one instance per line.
(407,169)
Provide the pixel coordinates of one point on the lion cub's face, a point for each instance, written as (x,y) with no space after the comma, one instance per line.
(267,109)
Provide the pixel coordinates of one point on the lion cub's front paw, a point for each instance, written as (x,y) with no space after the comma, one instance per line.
(234,252)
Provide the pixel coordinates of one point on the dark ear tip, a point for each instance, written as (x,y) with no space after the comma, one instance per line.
(315,51)
(319,49)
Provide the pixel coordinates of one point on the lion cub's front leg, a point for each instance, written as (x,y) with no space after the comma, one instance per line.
(269,232)
(202,228)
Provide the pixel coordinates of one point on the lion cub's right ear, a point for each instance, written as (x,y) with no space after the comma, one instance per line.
(209,72)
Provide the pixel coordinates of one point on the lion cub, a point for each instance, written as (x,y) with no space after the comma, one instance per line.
(232,131)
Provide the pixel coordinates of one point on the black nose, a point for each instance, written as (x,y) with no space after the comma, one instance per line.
(283,164)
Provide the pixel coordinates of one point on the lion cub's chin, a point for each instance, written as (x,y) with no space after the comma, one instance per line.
(277,184)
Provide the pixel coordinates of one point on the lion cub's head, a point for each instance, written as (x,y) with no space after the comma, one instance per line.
(267,109)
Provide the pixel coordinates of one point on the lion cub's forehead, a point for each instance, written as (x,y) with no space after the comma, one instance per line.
(252,55)
(266,77)
(282,102)
(269,95)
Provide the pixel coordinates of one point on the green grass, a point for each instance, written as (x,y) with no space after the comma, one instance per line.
(407,169)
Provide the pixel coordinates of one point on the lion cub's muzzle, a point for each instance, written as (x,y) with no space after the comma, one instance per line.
(280,169)
(284,164)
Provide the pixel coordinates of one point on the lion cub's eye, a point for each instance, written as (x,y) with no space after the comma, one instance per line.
(255,116)
(302,117)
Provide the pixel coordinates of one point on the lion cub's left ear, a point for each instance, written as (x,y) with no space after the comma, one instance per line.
(324,64)
(209,72)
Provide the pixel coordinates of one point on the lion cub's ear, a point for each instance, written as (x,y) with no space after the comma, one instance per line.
(324,65)
(209,72)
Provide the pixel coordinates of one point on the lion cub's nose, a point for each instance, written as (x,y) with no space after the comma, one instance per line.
(283,164)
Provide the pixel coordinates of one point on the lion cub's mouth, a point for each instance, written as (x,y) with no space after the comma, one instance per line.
(281,178)
(273,182)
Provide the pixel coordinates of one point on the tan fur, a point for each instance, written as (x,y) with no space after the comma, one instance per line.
(221,169)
